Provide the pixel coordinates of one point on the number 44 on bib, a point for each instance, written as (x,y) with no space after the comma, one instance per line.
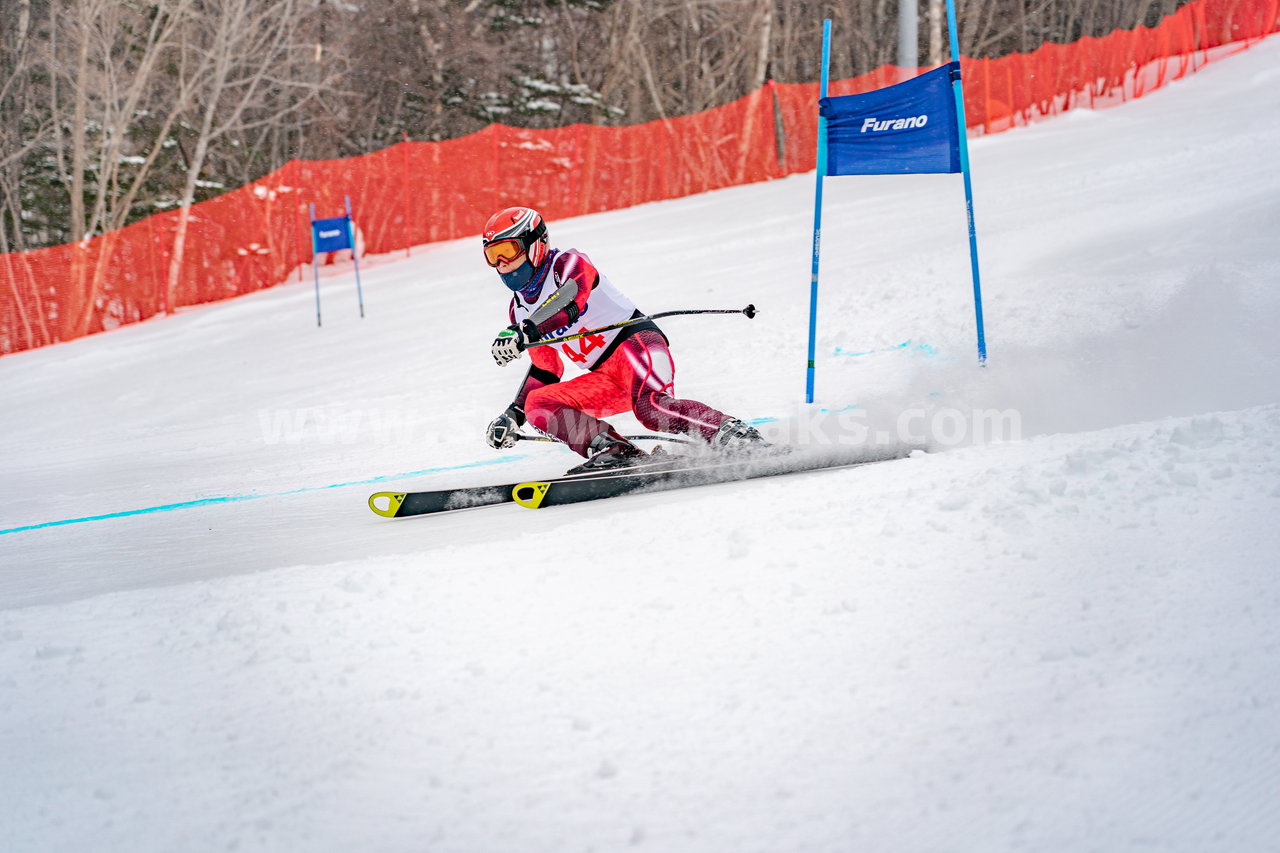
(578,349)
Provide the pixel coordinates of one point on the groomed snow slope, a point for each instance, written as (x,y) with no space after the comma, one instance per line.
(1067,640)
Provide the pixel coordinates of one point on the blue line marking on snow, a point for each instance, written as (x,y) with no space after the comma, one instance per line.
(927,349)
(848,408)
(771,419)
(229,499)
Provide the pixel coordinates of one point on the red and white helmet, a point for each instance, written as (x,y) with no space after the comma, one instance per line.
(511,233)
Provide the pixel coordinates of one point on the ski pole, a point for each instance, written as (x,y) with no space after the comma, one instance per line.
(522,437)
(749,311)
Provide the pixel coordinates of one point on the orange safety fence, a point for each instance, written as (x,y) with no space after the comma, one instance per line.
(412,193)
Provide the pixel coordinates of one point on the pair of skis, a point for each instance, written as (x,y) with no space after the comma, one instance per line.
(660,473)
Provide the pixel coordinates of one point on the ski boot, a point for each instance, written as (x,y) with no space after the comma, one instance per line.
(609,451)
(736,436)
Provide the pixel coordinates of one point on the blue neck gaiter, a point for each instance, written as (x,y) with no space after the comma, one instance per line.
(517,278)
(527,279)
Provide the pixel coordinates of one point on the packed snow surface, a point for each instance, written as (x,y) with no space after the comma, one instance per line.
(1056,630)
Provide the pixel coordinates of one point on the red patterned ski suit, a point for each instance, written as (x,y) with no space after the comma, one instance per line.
(628,369)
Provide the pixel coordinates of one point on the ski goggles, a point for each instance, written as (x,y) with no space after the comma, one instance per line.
(503,251)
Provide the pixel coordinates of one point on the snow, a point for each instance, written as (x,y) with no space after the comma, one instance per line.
(1059,636)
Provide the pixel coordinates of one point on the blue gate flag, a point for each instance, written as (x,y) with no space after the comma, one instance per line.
(905,129)
(914,127)
(330,235)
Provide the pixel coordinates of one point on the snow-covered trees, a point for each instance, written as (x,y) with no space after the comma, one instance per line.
(113,109)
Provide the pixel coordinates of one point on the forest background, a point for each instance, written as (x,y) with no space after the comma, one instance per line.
(111,110)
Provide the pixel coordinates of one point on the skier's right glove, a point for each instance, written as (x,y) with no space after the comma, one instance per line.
(502,431)
(512,341)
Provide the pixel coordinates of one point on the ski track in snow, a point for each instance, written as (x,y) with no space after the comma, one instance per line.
(1067,641)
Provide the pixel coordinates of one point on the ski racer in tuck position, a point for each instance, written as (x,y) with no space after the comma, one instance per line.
(557,293)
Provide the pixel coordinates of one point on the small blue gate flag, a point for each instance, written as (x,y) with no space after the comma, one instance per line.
(330,235)
(905,129)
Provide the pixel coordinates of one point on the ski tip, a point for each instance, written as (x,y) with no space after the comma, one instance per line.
(530,495)
(393,499)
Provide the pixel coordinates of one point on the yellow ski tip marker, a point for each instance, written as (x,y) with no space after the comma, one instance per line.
(394,499)
(530,495)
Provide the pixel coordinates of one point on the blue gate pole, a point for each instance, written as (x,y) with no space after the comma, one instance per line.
(817,212)
(315,267)
(958,91)
(355,254)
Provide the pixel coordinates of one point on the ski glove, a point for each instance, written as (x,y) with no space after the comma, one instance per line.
(503,429)
(513,340)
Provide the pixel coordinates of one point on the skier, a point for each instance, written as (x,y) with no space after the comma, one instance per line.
(558,293)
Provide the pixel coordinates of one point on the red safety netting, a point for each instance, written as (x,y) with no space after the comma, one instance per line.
(418,192)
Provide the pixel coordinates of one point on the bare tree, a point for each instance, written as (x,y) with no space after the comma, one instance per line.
(938,50)
(22,127)
(107,59)
(129,80)
(228,56)
(765,30)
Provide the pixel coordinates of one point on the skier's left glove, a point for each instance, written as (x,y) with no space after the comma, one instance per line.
(513,340)
(503,428)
